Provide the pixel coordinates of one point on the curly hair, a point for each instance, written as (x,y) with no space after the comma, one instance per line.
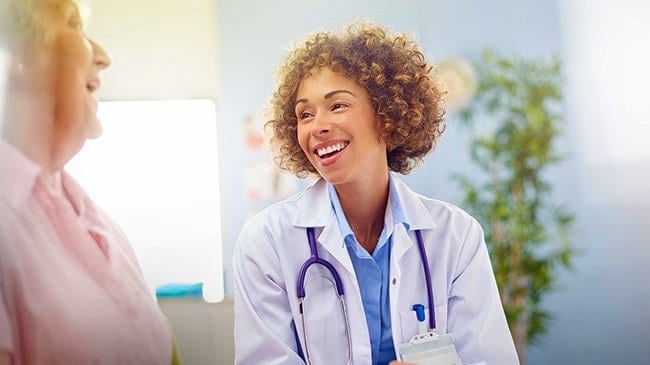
(406,98)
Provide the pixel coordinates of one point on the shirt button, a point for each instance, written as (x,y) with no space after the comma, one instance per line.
(394,281)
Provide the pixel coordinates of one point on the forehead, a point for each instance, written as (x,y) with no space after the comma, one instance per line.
(322,80)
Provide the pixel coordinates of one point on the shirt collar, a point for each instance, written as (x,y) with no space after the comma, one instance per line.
(78,197)
(346,231)
(394,213)
(19,174)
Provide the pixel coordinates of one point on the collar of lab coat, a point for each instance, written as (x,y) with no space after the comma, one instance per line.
(315,210)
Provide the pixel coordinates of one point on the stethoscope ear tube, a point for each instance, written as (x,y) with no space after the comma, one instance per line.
(346,319)
(304,333)
(347,329)
(315,259)
(295,334)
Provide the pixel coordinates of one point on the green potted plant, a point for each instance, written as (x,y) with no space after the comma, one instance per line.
(518,104)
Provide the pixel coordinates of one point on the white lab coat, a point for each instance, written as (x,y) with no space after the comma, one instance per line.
(273,246)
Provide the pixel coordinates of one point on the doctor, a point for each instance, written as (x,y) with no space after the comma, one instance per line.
(332,274)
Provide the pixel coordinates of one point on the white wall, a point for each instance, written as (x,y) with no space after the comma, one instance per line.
(161,49)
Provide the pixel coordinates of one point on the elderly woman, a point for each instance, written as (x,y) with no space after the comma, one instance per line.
(71,290)
(358,268)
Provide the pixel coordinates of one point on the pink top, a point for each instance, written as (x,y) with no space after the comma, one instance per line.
(71,289)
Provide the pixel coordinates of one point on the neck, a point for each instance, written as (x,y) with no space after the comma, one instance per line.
(53,181)
(27,128)
(364,205)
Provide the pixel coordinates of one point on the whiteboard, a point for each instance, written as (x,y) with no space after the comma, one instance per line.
(154,170)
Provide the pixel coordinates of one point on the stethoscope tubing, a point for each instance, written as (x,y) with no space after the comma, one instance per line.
(427,278)
(315,259)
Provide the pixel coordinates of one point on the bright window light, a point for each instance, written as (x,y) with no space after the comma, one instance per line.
(154,170)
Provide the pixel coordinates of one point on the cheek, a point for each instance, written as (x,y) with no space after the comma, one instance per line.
(303,140)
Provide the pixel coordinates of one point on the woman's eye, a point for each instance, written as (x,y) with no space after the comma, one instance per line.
(303,116)
(336,106)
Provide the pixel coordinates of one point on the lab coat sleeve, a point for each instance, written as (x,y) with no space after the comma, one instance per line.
(475,313)
(263,332)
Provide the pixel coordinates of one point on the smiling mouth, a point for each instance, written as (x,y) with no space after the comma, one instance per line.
(331,150)
(92,86)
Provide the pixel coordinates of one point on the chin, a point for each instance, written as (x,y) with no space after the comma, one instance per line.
(75,149)
(94,130)
(94,134)
(336,178)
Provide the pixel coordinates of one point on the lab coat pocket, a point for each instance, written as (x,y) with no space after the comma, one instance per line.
(409,321)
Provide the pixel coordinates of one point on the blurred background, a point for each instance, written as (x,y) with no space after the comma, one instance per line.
(192,78)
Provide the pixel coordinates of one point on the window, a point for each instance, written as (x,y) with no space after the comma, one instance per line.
(154,170)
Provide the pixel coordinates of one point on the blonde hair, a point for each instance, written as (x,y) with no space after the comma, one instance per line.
(25,21)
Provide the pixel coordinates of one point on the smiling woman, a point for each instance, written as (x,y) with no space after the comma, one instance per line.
(349,108)
(71,290)
(56,68)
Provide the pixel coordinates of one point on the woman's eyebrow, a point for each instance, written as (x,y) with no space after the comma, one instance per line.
(332,93)
(327,96)
(303,100)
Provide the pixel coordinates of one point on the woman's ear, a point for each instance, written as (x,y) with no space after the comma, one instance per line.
(15,66)
(22,59)
(28,68)
(20,74)
(19,67)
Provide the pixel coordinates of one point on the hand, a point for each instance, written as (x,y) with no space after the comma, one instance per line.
(395,362)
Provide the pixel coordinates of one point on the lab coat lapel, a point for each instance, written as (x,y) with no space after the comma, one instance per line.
(315,210)
(330,238)
(417,215)
(402,242)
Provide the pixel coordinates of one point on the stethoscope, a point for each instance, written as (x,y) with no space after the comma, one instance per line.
(315,259)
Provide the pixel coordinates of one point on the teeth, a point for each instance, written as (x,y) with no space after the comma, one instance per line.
(335,147)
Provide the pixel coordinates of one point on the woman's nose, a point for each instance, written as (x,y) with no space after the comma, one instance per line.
(320,126)
(101,58)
